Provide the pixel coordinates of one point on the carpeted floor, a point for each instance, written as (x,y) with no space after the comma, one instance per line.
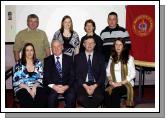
(145,105)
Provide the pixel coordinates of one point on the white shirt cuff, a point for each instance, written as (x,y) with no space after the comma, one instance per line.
(51,85)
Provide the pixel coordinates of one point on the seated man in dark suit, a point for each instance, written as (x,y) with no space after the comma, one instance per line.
(90,75)
(59,76)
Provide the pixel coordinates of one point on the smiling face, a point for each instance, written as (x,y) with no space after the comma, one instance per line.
(112,21)
(118,47)
(67,23)
(32,23)
(89,45)
(57,48)
(89,28)
(29,52)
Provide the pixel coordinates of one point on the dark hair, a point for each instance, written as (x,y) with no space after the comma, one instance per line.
(113,13)
(89,37)
(32,16)
(23,57)
(62,27)
(90,21)
(124,56)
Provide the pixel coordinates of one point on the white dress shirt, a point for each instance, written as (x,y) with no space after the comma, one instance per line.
(60,60)
(117,69)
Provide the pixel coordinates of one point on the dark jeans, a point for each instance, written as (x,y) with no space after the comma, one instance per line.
(113,100)
(26,100)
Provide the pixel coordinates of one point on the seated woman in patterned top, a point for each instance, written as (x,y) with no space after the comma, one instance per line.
(27,79)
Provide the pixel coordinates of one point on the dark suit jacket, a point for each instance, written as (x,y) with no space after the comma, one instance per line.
(51,75)
(81,68)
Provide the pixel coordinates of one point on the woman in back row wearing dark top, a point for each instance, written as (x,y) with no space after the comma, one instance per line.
(90,28)
(68,36)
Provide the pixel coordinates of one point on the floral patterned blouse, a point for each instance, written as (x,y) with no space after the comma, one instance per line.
(21,75)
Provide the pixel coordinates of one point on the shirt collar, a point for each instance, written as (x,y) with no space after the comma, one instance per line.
(60,56)
(87,54)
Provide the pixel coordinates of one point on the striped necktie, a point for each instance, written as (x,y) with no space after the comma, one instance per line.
(58,67)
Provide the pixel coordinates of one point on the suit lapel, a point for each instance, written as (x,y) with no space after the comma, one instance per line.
(63,64)
(94,61)
(85,62)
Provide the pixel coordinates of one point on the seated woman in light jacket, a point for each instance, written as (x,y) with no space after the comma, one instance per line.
(27,79)
(120,73)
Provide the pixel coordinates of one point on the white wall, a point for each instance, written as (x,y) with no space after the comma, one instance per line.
(51,15)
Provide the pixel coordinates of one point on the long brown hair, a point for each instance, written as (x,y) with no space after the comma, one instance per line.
(124,56)
(62,27)
(23,57)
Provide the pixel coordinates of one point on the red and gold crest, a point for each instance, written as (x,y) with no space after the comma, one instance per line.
(143,25)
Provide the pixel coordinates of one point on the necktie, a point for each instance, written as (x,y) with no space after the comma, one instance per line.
(58,67)
(90,72)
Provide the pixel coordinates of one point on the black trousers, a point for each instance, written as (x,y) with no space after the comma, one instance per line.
(113,100)
(26,100)
(69,95)
(90,102)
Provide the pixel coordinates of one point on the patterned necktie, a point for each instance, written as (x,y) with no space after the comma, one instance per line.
(90,72)
(58,67)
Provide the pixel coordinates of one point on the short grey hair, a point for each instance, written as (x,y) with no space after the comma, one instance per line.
(56,40)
